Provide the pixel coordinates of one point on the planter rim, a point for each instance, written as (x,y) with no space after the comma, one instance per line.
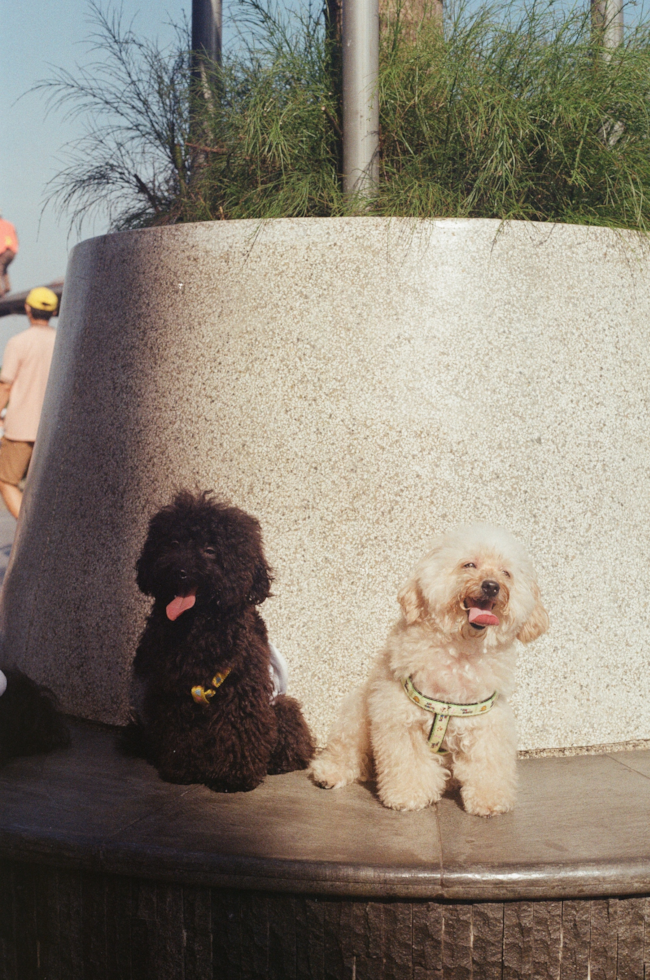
(382,222)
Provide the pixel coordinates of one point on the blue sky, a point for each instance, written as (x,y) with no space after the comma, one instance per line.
(37,35)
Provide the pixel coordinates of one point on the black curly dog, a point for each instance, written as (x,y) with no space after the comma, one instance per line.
(202,686)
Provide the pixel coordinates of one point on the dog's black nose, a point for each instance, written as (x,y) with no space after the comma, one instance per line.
(490,588)
(182,574)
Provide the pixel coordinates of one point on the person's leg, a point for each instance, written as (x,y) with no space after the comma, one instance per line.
(12,497)
(14,463)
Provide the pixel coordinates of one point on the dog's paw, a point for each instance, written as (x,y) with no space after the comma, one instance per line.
(412,799)
(407,805)
(327,774)
(486,803)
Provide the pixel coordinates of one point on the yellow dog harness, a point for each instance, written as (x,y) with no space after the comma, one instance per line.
(443,711)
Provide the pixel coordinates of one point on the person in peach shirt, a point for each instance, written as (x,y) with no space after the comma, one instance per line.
(23,379)
(8,252)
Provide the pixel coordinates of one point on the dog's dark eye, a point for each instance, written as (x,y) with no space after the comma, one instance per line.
(507,574)
(174,544)
(470,564)
(209,550)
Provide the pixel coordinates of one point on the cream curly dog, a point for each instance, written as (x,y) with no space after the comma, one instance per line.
(463,606)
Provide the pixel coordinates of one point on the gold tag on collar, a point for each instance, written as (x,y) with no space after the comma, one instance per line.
(201,695)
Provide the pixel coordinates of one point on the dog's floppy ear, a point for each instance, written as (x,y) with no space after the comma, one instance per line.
(537,622)
(411,600)
(143,568)
(261,587)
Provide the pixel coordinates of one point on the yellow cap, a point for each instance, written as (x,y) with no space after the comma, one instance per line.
(42,298)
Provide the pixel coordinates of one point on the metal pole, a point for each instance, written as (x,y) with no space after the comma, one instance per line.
(360,97)
(607,18)
(206,31)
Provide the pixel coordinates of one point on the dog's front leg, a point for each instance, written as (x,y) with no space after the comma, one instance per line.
(409,775)
(346,757)
(486,763)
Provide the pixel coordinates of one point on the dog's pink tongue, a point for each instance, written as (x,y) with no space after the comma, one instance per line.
(482,617)
(180,605)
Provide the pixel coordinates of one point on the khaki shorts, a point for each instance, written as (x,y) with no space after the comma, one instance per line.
(14,460)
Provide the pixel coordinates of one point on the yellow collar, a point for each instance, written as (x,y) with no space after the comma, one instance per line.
(201,696)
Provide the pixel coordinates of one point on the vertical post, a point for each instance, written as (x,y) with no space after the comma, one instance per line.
(607,19)
(206,51)
(206,32)
(360,96)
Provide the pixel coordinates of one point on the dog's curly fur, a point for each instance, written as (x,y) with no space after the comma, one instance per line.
(201,546)
(382,733)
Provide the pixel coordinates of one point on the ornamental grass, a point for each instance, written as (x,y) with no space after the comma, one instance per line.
(508,112)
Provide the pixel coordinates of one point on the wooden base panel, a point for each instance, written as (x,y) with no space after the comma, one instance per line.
(67,925)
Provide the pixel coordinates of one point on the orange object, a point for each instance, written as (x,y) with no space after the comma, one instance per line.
(8,236)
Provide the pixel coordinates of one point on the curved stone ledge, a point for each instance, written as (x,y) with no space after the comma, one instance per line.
(580,830)
(357,384)
(107,872)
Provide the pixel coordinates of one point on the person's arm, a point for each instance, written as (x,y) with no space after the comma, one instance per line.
(9,370)
(5,389)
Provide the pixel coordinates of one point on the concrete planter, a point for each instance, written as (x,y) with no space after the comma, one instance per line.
(356,384)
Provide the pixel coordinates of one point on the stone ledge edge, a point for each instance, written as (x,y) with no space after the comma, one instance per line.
(549,882)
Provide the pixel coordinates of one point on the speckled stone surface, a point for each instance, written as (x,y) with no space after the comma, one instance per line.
(358,385)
